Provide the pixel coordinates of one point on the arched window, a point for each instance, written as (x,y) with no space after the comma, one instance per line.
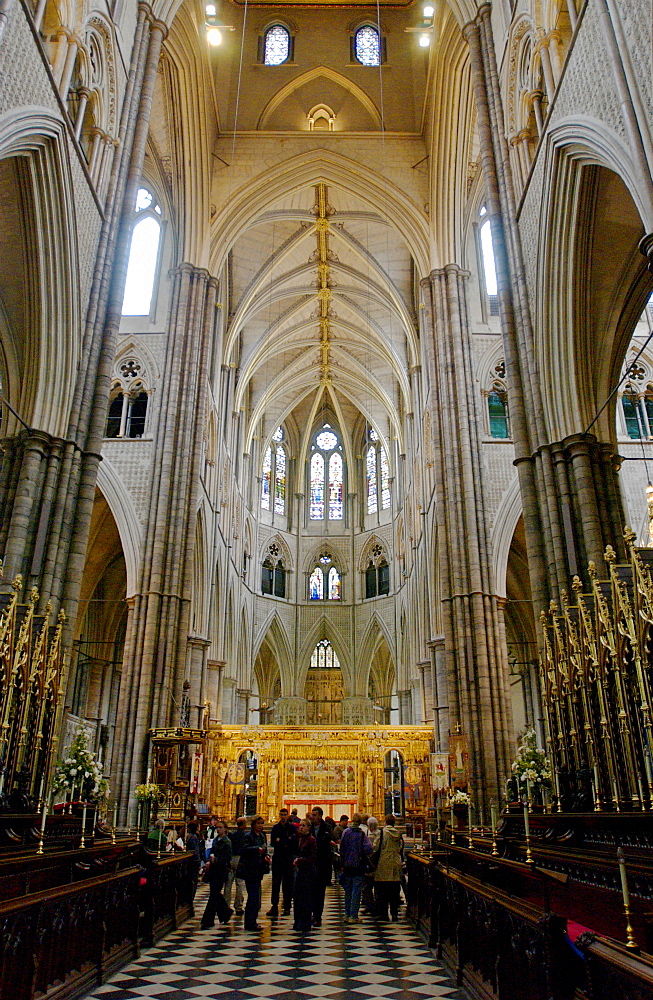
(324,689)
(377,574)
(143,256)
(367,45)
(634,414)
(273,573)
(497,406)
(324,582)
(489,265)
(273,480)
(327,477)
(276,45)
(127,414)
(377,473)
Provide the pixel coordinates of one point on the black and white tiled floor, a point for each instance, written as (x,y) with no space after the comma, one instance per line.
(335,961)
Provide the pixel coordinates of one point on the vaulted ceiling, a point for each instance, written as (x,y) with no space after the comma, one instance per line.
(322,315)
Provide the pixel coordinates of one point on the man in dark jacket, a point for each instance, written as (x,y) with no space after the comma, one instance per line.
(252,866)
(236,837)
(323,862)
(283,840)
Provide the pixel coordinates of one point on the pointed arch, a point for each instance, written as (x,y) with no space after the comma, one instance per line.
(324,628)
(273,633)
(314,74)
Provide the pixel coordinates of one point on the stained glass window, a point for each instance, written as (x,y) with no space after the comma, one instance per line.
(273,478)
(280,481)
(316,585)
(372,497)
(317,487)
(498,414)
(324,657)
(367,46)
(632,415)
(385,480)
(276,47)
(327,477)
(266,480)
(335,488)
(334,584)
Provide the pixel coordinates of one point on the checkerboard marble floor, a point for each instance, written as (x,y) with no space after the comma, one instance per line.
(338,961)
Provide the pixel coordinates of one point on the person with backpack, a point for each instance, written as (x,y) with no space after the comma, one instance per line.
(388,847)
(355,848)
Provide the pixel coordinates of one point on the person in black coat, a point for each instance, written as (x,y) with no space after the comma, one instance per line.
(283,840)
(304,865)
(253,865)
(216,875)
(323,862)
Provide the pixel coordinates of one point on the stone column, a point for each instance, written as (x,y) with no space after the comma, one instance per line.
(153,677)
(476,657)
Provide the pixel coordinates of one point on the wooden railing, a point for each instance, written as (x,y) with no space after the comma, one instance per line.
(167,896)
(63,942)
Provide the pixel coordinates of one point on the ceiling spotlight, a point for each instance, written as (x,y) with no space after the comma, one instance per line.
(424,40)
(213,36)
(428,10)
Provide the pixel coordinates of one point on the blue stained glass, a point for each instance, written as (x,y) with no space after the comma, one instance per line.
(265,482)
(366,46)
(277,45)
(316,585)
(317,488)
(335,488)
(280,481)
(385,481)
(372,501)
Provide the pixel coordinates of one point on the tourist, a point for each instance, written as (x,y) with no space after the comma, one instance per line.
(209,836)
(236,837)
(355,847)
(217,869)
(196,848)
(294,819)
(340,827)
(367,893)
(389,845)
(323,862)
(156,839)
(283,841)
(253,865)
(305,875)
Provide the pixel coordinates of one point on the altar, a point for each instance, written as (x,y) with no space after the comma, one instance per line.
(344,769)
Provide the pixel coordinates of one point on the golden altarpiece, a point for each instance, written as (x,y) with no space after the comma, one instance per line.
(342,769)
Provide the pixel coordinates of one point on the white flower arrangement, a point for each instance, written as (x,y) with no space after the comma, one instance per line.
(80,772)
(147,792)
(530,764)
(459,798)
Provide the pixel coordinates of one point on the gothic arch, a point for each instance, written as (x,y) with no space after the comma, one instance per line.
(579,361)
(324,628)
(274,635)
(315,74)
(366,552)
(34,146)
(503,530)
(121,505)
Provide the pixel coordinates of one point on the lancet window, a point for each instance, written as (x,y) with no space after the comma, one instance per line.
(276,45)
(489,264)
(273,573)
(324,582)
(377,574)
(143,256)
(326,477)
(377,475)
(497,405)
(274,475)
(367,45)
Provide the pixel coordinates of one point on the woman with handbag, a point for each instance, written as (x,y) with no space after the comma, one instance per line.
(355,849)
(389,846)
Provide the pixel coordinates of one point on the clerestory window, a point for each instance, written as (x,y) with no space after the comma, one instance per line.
(277,45)
(143,256)
(324,583)
(377,475)
(367,45)
(326,477)
(274,475)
